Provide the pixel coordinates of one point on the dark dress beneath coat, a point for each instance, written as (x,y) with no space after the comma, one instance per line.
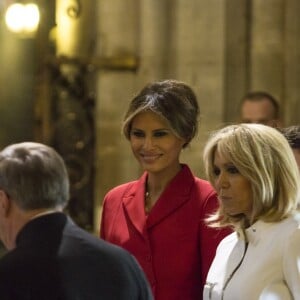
(56,260)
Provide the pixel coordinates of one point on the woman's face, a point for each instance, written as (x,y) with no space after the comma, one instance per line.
(154,144)
(234,190)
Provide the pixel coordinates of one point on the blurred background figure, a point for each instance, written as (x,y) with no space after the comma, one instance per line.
(260,107)
(292,133)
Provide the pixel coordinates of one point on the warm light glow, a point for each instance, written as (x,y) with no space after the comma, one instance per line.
(22,18)
(13,17)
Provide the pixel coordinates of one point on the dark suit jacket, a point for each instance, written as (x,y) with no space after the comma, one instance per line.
(55,259)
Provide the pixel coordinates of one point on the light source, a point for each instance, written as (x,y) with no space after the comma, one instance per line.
(23,18)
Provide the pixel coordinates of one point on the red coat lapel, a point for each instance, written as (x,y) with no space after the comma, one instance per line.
(133,204)
(175,195)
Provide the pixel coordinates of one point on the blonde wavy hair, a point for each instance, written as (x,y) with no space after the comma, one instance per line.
(263,156)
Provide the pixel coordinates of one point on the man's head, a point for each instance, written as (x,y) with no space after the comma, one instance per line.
(33,180)
(260,107)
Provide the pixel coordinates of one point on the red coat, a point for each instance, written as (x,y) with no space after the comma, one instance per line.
(172,244)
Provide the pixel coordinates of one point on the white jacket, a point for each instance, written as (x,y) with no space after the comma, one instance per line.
(265,268)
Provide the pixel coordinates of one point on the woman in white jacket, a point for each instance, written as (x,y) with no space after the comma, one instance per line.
(255,174)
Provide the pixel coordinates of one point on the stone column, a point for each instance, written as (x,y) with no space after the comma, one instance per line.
(267,46)
(155,39)
(237,29)
(291,99)
(117,36)
(198,59)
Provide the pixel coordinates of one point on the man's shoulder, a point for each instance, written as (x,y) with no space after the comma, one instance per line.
(80,260)
(79,240)
(7,260)
(14,265)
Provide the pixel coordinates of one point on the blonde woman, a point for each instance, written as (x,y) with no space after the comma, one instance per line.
(254,172)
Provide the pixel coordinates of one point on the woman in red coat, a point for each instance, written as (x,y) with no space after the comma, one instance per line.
(159,218)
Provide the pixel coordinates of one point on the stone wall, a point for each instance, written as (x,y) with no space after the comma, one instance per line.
(222,48)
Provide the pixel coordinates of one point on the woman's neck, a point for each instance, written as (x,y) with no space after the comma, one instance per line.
(156,184)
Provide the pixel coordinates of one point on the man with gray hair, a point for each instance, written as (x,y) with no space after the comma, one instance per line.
(50,257)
